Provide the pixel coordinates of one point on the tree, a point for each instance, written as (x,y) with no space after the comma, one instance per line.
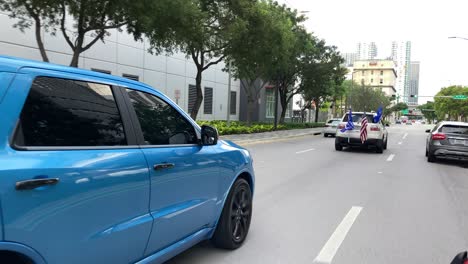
(428,111)
(89,19)
(455,109)
(257,47)
(367,99)
(322,75)
(41,13)
(288,66)
(204,33)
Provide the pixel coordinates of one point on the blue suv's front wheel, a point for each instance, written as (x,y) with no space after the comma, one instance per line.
(233,226)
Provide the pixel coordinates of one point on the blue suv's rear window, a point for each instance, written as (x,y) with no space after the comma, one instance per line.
(61,112)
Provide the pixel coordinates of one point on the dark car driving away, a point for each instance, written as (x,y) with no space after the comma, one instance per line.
(447,140)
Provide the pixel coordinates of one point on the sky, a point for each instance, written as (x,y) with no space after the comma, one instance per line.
(427,24)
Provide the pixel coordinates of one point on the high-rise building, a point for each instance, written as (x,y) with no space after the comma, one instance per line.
(366,51)
(401,54)
(413,83)
(349,58)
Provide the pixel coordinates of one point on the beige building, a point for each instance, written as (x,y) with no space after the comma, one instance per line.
(376,73)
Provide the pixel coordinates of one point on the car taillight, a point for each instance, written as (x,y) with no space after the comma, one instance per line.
(438,136)
(341,126)
(375,128)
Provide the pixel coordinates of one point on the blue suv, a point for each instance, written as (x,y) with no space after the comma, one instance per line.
(100,169)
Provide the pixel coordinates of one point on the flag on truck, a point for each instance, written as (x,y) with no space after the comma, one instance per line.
(349,125)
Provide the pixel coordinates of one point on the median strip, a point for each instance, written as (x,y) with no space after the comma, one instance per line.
(334,242)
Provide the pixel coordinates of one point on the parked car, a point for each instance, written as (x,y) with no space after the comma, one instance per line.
(377,134)
(409,123)
(102,169)
(398,122)
(447,140)
(331,125)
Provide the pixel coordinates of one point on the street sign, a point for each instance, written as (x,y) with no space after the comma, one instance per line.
(404,112)
(459,97)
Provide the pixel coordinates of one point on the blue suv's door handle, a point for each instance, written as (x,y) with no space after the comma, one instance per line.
(33,184)
(163,166)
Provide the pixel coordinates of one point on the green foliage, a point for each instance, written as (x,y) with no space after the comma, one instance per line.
(257,47)
(363,98)
(398,107)
(322,75)
(204,32)
(428,111)
(93,18)
(448,106)
(242,128)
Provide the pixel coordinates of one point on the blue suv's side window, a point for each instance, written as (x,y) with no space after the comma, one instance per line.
(160,123)
(60,112)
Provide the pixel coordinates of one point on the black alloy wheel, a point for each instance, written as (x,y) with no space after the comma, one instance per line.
(234,224)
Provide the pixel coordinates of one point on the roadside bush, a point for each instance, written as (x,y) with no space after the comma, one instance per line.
(241,128)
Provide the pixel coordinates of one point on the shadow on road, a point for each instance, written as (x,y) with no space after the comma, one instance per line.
(204,248)
(450,162)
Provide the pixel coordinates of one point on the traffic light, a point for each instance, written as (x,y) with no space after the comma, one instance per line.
(414,96)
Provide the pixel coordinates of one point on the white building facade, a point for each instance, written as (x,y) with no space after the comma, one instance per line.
(121,55)
(401,54)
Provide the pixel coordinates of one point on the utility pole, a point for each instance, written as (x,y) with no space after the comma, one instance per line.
(228,108)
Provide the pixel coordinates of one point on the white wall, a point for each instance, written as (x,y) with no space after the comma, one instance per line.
(121,54)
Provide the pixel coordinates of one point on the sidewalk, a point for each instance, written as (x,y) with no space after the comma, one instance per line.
(244,139)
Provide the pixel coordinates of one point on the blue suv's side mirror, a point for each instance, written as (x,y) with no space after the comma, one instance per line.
(209,135)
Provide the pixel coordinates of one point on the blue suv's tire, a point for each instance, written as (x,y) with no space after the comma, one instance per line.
(233,226)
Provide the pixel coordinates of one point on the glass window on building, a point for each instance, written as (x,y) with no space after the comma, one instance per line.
(372,80)
(381,72)
(381,81)
(363,73)
(372,72)
(270,103)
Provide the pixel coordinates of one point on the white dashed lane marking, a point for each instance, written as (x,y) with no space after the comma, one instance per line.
(334,242)
(304,151)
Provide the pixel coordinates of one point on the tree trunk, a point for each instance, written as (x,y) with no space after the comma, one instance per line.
(199,99)
(40,44)
(284,107)
(250,104)
(75,59)
(317,110)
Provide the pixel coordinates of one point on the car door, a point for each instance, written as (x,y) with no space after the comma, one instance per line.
(74,185)
(184,175)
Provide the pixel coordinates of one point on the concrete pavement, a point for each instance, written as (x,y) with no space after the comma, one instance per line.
(411,211)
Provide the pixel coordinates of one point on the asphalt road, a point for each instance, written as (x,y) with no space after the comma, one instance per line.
(316,205)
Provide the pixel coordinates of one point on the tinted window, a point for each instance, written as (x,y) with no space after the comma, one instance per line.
(357,118)
(61,112)
(160,123)
(453,129)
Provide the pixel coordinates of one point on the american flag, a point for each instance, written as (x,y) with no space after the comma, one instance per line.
(364,128)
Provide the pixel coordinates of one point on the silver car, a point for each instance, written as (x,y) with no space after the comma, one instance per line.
(447,140)
(331,125)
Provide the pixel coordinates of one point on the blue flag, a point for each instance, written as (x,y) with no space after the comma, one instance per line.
(349,125)
(378,115)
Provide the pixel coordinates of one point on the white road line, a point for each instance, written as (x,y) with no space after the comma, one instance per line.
(334,242)
(405,135)
(390,158)
(399,143)
(304,151)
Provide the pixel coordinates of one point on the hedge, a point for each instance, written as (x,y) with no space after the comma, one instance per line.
(241,128)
